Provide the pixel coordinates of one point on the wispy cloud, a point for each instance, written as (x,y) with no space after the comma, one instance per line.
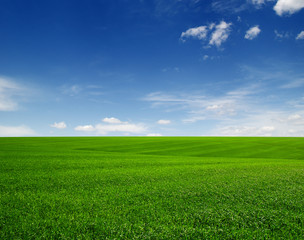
(59,125)
(231,6)
(72,90)
(300,36)
(10,94)
(245,131)
(260,3)
(169,69)
(294,83)
(173,7)
(281,35)
(201,107)
(261,107)
(113,125)
(288,7)
(78,90)
(252,33)
(281,7)
(218,33)
(16,131)
(264,123)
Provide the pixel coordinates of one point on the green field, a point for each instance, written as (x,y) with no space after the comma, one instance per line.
(151,188)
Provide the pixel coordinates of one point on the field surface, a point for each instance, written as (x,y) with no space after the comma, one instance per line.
(151,188)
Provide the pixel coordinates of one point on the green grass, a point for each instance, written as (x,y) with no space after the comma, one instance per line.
(151,188)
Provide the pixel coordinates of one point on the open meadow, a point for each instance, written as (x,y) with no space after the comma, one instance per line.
(151,188)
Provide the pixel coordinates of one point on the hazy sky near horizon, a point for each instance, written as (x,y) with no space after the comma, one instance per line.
(152,67)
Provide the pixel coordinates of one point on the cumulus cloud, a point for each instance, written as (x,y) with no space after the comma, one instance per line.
(300,36)
(111,120)
(288,7)
(60,125)
(219,33)
(252,32)
(198,32)
(113,125)
(10,93)
(16,131)
(163,122)
(85,128)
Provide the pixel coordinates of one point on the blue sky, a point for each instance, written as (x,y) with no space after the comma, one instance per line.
(152,67)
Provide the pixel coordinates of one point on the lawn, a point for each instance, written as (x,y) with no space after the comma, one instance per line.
(151,188)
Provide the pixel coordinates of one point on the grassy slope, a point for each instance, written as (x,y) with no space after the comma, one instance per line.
(154,188)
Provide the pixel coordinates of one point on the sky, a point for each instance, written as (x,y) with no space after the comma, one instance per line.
(152,68)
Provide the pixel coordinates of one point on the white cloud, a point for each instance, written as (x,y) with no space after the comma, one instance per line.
(111,120)
(154,135)
(60,125)
(252,32)
(295,120)
(234,6)
(72,90)
(220,34)
(171,69)
(263,123)
(258,2)
(10,92)
(300,36)
(113,125)
(199,107)
(267,129)
(260,107)
(242,112)
(163,122)
(77,90)
(288,6)
(246,131)
(85,128)
(294,83)
(281,35)
(198,32)
(16,131)
(124,128)
(294,117)
(213,107)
